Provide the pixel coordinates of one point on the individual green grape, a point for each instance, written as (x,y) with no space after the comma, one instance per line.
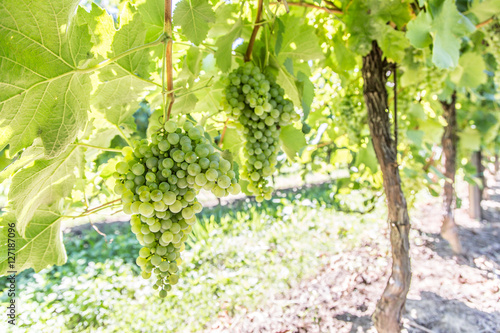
(138,169)
(146,208)
(144,252)
(122,167)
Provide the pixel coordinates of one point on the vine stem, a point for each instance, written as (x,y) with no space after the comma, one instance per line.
(251,42)
(97,147)
(304,4)
(106,62)
(223,133)
(94,210)
(482,24)
(124,136)
(95,68)
(395,73)
(206,85)
(168,69)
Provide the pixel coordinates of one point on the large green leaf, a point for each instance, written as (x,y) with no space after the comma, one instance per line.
(43,183)
(41,246)
(42,92)
(448,26)
(194,17)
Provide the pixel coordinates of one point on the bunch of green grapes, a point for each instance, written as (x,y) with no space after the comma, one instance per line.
(158,182)
(254,100)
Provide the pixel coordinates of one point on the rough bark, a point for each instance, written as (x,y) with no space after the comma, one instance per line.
(497,165)
(475,192)
(387,316)
(449,229)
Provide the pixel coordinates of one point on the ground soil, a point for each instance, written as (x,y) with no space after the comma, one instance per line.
(448,293)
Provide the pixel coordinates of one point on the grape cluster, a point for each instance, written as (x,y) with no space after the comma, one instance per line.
(158,182)
(256,101)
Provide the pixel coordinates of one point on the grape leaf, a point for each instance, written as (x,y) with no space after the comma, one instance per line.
(194,16)
(419,30)
(184,104)
(292,140)
(360,35)
(153,15)
(43,183)
(224,44)
(470,139)
(287,82)
(433,130)
(367,157)
(392,42)
(28,156)
(307,93)
(415,136)
(299,41)
(398,12)
(448,26)
(119,94)
(485,9)
(42,92)
(470,72)
(346,59)
(101,29)
(233,141)
(123,84)
(41,246)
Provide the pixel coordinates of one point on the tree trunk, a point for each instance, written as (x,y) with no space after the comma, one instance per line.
(497,165)
(449,230)
(387,316)
(475,193)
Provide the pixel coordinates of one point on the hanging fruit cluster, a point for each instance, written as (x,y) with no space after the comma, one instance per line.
(253,99)
(158,182)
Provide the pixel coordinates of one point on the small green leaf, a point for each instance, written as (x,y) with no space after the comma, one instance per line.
(233,140)
(366,156)
(392,42)
(470,139)
(416,137)
(224,44)
(307,93)
(184,104)
(292,141)
(419,30)
(470,72)
(194,16)
(485,9)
